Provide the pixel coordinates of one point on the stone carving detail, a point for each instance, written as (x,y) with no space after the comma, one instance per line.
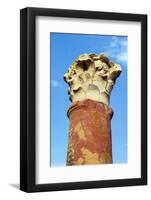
(91,76)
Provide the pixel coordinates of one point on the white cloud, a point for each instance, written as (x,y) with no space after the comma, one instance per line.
(114,42)
(122,57)
(118,49)
(123,43)
(56,84)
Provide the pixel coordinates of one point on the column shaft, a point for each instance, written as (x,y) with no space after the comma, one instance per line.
(89,133)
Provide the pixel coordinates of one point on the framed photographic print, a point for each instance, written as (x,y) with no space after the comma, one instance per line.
(83,99)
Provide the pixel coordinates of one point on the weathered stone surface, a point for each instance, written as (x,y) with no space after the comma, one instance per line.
(91,76)
(89,133)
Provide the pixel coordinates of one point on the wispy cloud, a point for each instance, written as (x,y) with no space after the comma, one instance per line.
(118,49)
(122,57)
(56,84)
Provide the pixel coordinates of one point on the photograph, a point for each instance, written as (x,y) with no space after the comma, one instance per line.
(88,79)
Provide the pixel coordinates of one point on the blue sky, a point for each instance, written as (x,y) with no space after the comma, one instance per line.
(64,49)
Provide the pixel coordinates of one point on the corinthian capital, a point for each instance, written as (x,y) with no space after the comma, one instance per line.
(91,76)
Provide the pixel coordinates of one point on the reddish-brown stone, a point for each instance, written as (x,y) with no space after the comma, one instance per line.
(89,133)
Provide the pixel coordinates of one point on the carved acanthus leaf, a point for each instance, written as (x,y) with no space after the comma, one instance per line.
(92,76)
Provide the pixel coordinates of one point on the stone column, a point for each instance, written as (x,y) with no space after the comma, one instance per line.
(90,78)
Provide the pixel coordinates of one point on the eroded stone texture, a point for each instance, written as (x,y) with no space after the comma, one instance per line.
(89,133)
(91,76)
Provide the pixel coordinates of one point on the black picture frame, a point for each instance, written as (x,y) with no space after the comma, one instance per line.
(28,99)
